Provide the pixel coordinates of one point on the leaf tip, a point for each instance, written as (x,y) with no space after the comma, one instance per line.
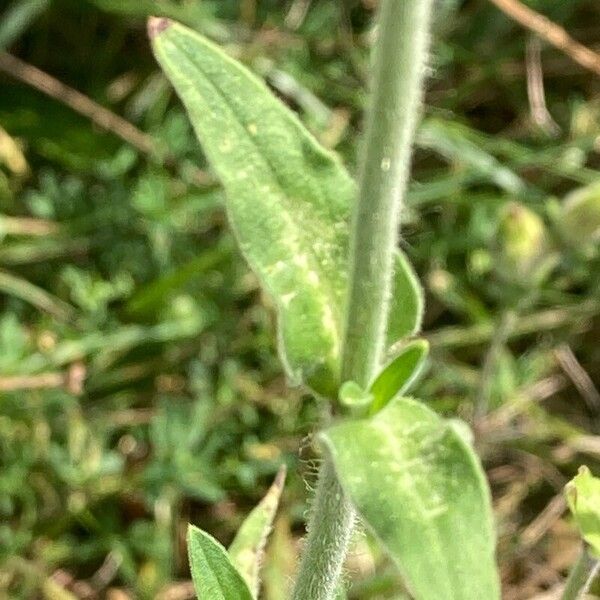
(157,25)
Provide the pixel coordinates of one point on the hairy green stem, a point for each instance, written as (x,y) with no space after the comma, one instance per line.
(399,68)
(581,577)
(397,87)
(329,532)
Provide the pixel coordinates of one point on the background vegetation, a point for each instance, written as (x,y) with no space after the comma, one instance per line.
(139,385)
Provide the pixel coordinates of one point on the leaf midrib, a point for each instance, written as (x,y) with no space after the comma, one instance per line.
(432,532)
(323,282)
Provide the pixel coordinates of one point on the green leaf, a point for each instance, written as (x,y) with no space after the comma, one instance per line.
(247,549)
(399,374)
(287,198)
(421,490)
(583,497)
(288,201)
(213,574)
(407,303)
(13,285)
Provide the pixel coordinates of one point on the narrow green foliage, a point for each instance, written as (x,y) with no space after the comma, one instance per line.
(21,288)
(214,575)
(462,146)
(583,497)
(398,375)
(17,18)
(247,549)
(288,201)
(421,490)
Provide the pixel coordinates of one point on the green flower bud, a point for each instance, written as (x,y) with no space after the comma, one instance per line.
(580,216)
(523,245)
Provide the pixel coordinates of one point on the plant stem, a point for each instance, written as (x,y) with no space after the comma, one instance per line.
(329,532)
(581,577)
(398,75)
(399,68)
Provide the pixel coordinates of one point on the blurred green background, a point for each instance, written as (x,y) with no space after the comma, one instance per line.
(139,382)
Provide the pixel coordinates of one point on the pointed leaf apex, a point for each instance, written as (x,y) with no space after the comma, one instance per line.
(157,25)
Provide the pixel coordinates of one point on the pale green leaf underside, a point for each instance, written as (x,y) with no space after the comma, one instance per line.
(407,304)
(288,201)
(421,490)
(583,496)
(213,574)
(246,550)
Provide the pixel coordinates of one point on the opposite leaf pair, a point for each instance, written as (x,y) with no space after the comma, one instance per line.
(411,475)
(418,487)
(393,380)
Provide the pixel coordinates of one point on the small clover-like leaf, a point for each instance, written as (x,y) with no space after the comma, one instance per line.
(420,488)
(583,497)
(247,549)
(214,575)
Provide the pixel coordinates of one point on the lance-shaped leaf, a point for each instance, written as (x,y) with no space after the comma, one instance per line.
(583,497)
(399,374)
(213,574)
(421,490)
(247,549)
(287,198)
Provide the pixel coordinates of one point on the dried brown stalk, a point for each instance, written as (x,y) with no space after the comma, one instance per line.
(77,101)
(551,32)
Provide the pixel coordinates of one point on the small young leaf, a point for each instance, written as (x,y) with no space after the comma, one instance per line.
(246,550)
(213,574)
(398,375)
(421,490)
(353,396)
(407,303)
(583,497)
(288,199)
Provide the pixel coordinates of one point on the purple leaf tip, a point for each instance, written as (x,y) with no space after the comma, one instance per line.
(157,25)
